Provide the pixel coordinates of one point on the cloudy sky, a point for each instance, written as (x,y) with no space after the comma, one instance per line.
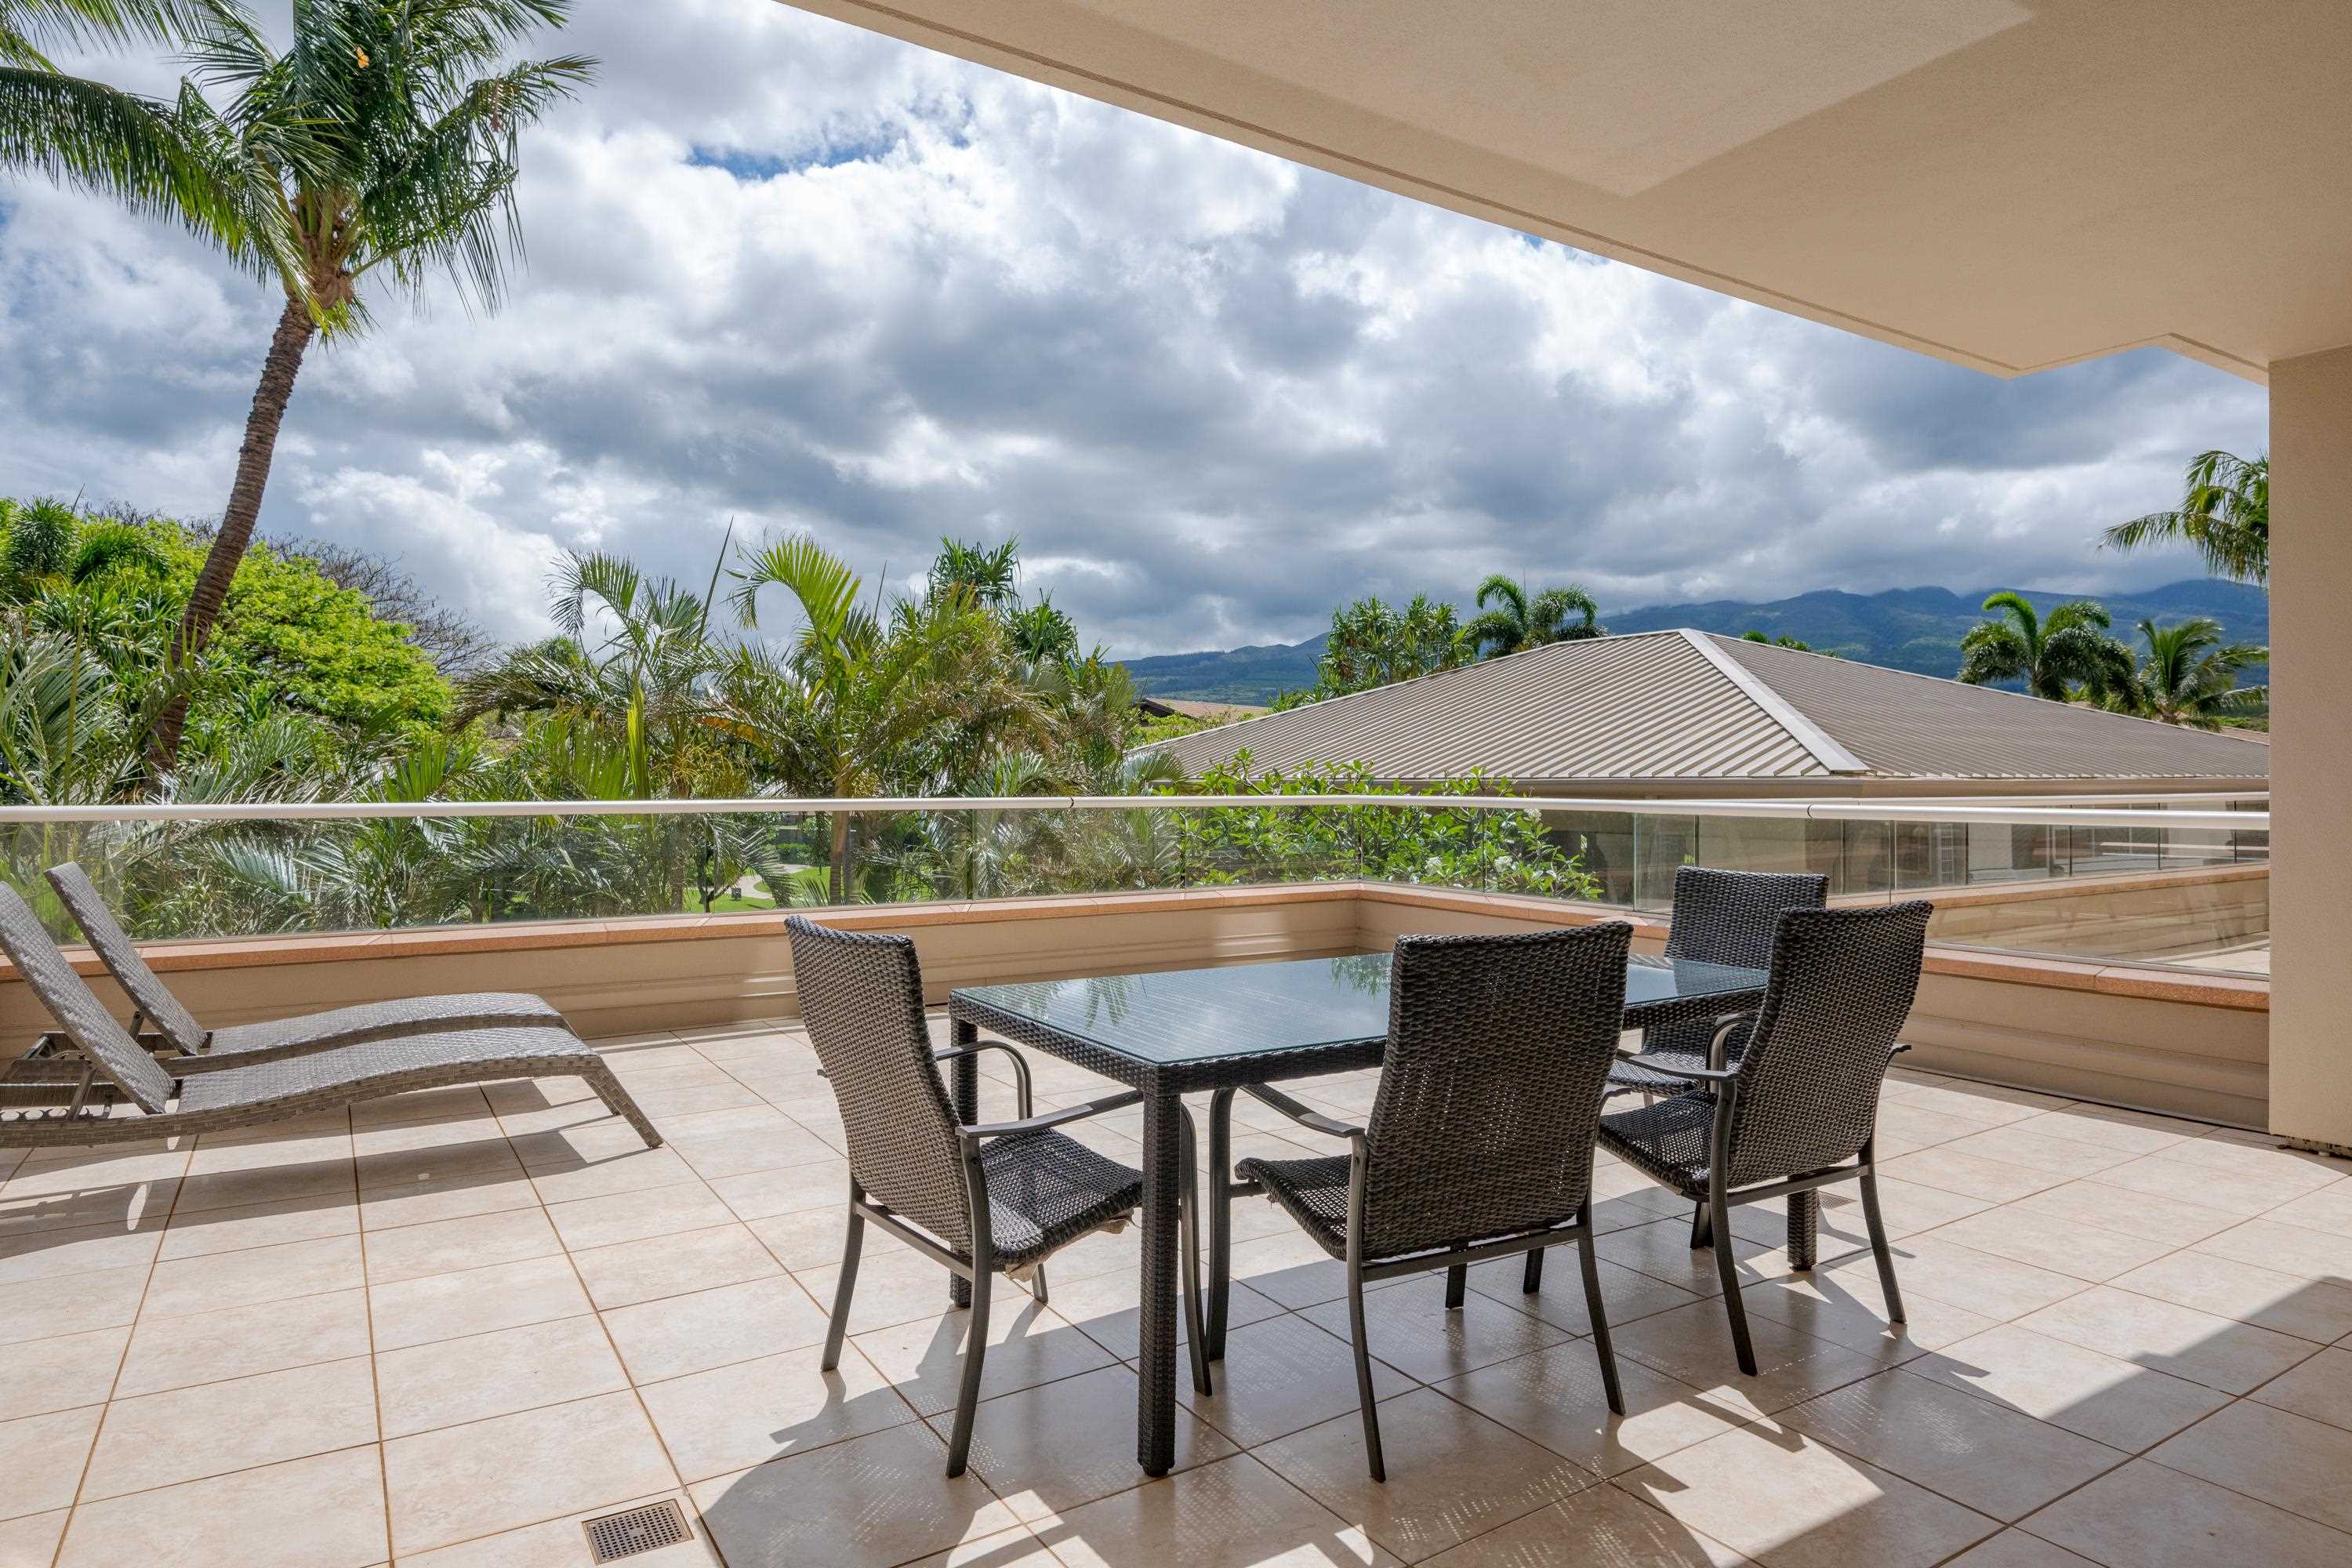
(792,274)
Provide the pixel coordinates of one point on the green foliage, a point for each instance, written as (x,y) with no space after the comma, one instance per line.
(1510,620)
(2224,514)
(2053,658)
(1783,640)
(2190,677)
(1497,851)
(1373,645)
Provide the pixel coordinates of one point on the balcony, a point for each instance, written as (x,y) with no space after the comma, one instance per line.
(449,1328)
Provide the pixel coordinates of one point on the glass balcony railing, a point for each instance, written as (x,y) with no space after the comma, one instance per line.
(2127,880)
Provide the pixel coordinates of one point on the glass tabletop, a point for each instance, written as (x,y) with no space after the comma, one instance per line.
(1194,1015)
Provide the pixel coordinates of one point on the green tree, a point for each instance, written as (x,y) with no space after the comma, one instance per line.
(1372,644)
(2224,513)
(1510,619)
(1783,640)
(2051,656)
(85,133)
(383,140)
(992,577)
(2189,675)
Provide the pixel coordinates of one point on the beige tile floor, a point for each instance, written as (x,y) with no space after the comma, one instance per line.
(445,1329)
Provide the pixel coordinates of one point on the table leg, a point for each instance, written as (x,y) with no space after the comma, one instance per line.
(1155,1399)
(1221,1214)
(963,1089)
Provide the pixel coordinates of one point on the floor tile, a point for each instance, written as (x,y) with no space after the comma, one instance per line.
(256,1275)
(2320,1388)
(1662,1250)
(60,1371)
(161,1439)
(2328,1209)
(662,1265)
(1059,1446)
(2132,1131)
(139,1205)
(30,1542)
(241,1341)
(632,1217)
(2286,1459)
(734,1416)
(2143,1215)
(2242,1192)
(1849,1308)
(1409,1327)
(1601,1525)
(1627,1294)
(2287,1248)
(1280,1376)
(1970,1175)
(488,1475)
(560,1543)
(2148,1516)
(1027,1344)
(1557,1398)
(474,1301)
(679,1334)
(2112,1402)
(443,1246)
(1452,1474)
(258,1225)
(1693,1346)
(788,1189)
(2048,1241)
(2216,1352)
(2308,1309)
(1996,1288)
(1232,1514)
(452,1382)
(2016,1549)
(36,1309)
(74,1249)
(1289,1269)
(447,1197)
(878,1500)
(891,1288)
(561,1174)
(42,1457)
(1790,1502)
(315,1181)
(1103,1307)
(1971,1450)
(326,1511)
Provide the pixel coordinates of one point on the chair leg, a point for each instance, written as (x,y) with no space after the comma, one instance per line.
(1196,1331)
(843,1289)
(975,1352)
(1879,1248)
(1593,1310)
(1364,1372)
(1702,1227)
(618,1101)
(1458,1286)
(1037,1284)
(1804,1229)
(1531,1281)
(1726,1268)
(1220,1227)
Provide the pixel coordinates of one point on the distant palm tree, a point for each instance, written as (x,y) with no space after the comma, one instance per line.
(2190,676)
(1518,621)
(2053,656)
(372,143)
(1783,640)
(993,577)
(2224,512)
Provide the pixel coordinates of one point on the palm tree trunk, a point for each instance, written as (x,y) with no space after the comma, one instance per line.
(279,369)
(840,878)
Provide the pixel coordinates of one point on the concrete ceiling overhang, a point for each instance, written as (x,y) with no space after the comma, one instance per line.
(2008,185)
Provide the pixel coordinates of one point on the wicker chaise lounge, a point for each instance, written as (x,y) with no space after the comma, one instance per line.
(218,1091)
(278,1037)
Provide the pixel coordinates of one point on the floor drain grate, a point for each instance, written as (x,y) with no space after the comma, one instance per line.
(635,1530)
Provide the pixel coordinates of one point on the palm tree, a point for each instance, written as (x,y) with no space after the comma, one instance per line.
(851,699)
(2051,656)
(86,133)
(2224,512)
(1519,621)
(993,577)
(1371,644)
(386,138)
(2190,676)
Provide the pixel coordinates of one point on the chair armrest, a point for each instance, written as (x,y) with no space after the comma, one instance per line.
(1024,1103)
(1724,1025)
(1314,1121)
(1696,1075)
(1120,1101)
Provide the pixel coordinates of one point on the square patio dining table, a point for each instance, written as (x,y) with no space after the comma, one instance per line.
(1190,1031)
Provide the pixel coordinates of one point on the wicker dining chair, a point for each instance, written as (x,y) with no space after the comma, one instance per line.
(273,1039)
(1719,917)
(1800,1109)
(977,1199)
(1479,1145)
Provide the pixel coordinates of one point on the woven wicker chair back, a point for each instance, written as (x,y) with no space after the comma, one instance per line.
(1490,1088)
(120,955)
(1728,917)
(1842,982)
(77,1008)
(861,1003)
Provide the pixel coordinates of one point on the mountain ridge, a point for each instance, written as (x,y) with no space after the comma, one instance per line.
(1917,629)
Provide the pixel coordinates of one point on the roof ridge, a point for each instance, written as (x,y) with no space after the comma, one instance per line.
(1824,746)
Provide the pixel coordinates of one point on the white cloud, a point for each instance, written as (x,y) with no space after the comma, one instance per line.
(789,274)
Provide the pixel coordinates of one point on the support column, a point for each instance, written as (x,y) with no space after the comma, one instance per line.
(2311,749)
